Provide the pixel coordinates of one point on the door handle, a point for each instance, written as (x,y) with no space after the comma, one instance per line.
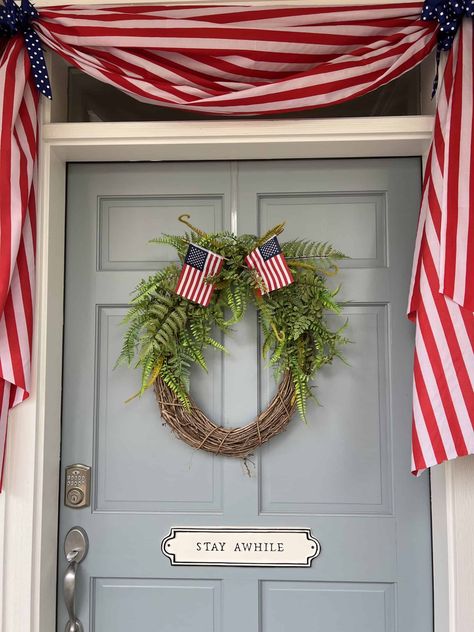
(76,546)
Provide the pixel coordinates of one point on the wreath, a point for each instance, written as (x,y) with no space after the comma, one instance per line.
(168,333)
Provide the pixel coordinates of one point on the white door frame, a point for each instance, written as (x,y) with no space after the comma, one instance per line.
(29,506)
(32,473)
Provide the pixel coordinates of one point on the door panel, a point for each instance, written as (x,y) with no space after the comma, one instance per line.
(353,606)
(344,474)
(338,433)
(121,603)
(128,464)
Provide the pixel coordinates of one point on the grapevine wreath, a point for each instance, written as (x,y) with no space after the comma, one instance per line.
(171,326)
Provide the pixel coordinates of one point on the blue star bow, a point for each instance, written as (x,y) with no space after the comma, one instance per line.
(449,14)
(16,19)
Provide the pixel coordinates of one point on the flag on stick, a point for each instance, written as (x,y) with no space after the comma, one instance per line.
(270,263)
(199,264)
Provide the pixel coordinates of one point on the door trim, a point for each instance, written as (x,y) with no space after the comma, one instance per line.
(29,508)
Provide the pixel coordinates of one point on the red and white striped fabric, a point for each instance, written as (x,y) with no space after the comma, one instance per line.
(443,395)
(241,60)
(18,150)
(223,60)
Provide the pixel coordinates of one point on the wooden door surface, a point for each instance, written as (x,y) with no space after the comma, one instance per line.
(345,474)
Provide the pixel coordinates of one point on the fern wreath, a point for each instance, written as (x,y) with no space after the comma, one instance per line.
(168,334)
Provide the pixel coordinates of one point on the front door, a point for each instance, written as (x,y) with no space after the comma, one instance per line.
(345,474)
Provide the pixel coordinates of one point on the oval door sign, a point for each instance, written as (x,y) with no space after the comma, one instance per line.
(236,546)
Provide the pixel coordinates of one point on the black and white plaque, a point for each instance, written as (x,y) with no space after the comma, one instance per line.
(240,546)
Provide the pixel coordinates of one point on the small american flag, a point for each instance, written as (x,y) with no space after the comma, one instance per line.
(199,264)
(269,261)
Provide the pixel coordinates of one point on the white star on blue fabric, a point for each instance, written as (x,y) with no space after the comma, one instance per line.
(15,20)
(196,257)
(449,14)
(270,248)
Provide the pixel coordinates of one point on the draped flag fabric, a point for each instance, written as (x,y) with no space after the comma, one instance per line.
(233,61)
(18,150)
(442,293)
(236,60)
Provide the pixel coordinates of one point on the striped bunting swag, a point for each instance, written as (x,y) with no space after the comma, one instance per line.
(18,152)
(442,285)
(199,264)
(240,60)
(270,263)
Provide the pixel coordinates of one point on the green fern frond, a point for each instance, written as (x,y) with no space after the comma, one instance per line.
(216,344)
(180,244)
(305,248)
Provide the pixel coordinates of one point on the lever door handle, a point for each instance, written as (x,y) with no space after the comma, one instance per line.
(76,546)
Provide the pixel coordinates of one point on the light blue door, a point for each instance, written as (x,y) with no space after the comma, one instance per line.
(345,475)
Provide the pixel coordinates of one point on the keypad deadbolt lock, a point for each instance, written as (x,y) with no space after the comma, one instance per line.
(77,486)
